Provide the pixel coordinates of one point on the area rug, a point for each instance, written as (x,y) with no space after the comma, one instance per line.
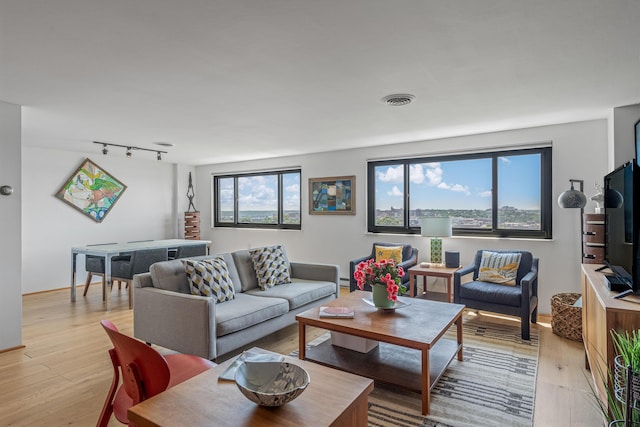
(493,386)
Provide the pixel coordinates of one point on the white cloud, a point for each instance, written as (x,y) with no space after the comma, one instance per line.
(395,191)
(416,174)
(504,160)
(434,174)
(294,188)
(486,193)
(455,187)
(392,174)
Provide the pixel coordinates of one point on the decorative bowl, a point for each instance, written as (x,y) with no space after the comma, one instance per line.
(271,383)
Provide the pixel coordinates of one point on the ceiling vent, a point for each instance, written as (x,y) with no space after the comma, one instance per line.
(398,99)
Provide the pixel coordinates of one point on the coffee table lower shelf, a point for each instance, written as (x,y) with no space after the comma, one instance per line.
(388,363)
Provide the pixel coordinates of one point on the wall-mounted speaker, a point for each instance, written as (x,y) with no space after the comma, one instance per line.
(452,259)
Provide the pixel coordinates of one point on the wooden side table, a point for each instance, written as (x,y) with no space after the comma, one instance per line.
(445,272)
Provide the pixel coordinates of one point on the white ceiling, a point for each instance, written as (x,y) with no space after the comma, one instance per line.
(244,79)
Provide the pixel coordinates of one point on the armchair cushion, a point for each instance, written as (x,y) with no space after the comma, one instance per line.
(271,266)
(499,267)
(209,278)
(388,252)
(496,293)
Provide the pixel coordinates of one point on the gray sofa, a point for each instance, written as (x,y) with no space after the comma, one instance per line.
(165,313)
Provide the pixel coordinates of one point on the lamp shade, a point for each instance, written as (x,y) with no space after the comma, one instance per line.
(436,227)
(572,199)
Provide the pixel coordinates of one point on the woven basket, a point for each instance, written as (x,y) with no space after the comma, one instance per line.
(566,320)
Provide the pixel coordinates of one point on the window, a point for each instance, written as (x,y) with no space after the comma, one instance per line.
(258,200)
(506,193)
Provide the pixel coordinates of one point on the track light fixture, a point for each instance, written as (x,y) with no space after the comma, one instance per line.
(129,149)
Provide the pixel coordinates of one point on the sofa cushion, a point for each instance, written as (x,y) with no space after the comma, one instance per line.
(271,266)
(245,311)
(388,252)
(172,276)
(486,291)
(499,267)
(299,292)
(209,278)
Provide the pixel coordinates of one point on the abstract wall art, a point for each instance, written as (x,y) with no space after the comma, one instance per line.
(332,196)
(91,190)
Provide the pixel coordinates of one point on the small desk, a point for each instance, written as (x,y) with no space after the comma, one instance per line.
(445,272)
(332,398)
(111,250)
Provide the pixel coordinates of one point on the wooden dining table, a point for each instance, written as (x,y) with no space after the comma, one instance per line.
(108,251)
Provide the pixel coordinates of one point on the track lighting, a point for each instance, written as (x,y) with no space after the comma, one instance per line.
(129,149)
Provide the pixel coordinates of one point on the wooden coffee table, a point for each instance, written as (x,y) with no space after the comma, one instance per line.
(331,399)
(412,352)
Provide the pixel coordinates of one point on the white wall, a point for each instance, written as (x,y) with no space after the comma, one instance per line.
(623,119)
(146,210)
(579,152)
(10,218)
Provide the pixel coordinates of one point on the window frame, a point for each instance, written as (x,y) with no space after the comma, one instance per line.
(280,225)
(546,203)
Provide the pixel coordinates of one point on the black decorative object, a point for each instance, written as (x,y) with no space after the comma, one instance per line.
(191,218)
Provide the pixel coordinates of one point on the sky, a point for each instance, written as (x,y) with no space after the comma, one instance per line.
(462,184)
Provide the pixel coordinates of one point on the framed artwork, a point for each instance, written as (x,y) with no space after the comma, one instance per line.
(91,190)
(332,196)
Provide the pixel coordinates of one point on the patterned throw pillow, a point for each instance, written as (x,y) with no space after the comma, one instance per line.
(389,252)
(209,278)
(499,267)
(271,266)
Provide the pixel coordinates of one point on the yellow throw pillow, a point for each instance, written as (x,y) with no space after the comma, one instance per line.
(389,252)
(499,267)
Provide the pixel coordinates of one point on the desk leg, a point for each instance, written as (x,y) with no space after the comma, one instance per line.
(426,387)
(107,281)
(449,292)
(73,276)
(302,340)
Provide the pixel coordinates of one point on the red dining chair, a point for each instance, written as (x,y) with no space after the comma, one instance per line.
(145,373)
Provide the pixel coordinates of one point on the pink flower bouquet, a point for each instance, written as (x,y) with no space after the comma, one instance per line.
(384,272)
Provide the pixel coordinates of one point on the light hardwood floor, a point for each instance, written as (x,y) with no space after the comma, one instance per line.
(62,375)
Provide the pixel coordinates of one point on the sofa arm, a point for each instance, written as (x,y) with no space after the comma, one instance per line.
(167,319)
(315,271)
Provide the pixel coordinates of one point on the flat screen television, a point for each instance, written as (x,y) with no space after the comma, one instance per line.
(621,229)
(637,137)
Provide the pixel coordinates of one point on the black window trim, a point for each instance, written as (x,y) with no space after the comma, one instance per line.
(545,193)
(235,224)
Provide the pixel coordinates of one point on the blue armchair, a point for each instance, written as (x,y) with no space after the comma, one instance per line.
(409,259)
(520,300)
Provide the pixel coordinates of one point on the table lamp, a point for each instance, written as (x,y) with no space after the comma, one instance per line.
(436,227)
